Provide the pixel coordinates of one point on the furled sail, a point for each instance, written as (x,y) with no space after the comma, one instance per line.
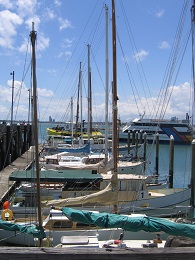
(109,196)
(131,223)
(30,229)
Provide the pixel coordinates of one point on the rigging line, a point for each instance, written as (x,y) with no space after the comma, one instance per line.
(23,76)
(56,110)
(171,76)
(134,47)
(129,76)
(179,67)
(69,60)
(171,63)
(163,94)
(94,31)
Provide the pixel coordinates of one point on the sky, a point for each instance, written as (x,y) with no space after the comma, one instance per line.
(154,58)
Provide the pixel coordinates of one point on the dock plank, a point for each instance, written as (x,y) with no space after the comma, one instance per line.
(96,254)
(20,163)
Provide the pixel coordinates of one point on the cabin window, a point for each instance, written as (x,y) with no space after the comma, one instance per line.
(62,224)
(132,185)
(82,225)
(80,186)
(122,186)
(105,184)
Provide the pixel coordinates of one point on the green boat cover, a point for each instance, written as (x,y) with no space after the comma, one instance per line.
(56,176)
(134,224)
(30,229)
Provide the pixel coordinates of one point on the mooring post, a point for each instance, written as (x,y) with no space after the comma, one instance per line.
(18,140)
(192,213)
(171,162)
(128,142)
(8,142)
(141,137)
(145,143)
(25,138)
(133,137)
(136,145)
(157,159)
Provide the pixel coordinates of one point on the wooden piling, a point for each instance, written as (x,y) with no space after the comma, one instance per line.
(171,162)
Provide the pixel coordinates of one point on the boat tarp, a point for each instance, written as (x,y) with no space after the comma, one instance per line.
(30,229)
(107,196)
(56,176)
(128,223)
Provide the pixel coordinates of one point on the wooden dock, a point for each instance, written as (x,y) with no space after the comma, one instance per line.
(171,253)
(21,163)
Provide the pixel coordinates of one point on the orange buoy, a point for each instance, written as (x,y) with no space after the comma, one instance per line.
(6,204)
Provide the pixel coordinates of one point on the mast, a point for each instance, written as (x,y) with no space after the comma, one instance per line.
(78,96)
(193,70)
(35,124)
(89,128)
(71,119)
(114,93)
(81,102)
(193,142)
(106,96)
(12,107)
(114,87)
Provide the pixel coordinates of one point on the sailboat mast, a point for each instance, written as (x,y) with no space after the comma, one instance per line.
(78,96)
(81,101)
(114,88)
(71,119)
(107,81)
(35,122)
(193,67)
(89,96)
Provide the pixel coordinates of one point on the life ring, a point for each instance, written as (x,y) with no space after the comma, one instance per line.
(7,214)
(109,243)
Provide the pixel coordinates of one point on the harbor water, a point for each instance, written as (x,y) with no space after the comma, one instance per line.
(182,160)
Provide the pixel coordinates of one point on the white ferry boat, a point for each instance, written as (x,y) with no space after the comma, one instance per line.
(181,130)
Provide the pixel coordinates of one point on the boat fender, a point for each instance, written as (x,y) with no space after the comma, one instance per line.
(112,242)
(6,204)
(7,215)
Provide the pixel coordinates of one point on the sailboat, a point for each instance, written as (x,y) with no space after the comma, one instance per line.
(36,230)
(114,201)
(129,196)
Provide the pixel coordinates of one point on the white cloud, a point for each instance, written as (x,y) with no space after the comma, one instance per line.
(57,3)
(164,45)
(26,8)
(141,55)
(6,3)
(8,24)
(67,43)
(42,42)
(159,13)
(67,54)
(64,24)
(178,105)
(49,14)
(43,92)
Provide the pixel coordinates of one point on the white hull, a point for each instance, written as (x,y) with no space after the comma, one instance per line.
(54,237)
